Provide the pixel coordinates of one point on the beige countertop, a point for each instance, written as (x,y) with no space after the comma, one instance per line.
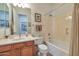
(12,41)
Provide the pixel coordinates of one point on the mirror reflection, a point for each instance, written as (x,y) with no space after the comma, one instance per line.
(14,21)
(4,20)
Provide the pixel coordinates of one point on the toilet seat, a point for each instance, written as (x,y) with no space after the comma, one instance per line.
(42,47)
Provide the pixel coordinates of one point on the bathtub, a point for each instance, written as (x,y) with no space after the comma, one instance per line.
(56,51)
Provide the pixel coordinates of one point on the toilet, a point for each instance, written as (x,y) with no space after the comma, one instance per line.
(42,48)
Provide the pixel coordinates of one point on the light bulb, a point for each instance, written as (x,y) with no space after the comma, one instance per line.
(19,5)
(69,17)
(15,4)
(23,5)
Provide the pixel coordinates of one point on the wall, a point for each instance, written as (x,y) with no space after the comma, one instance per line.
(54,23)
(61,27)
(57,32)
(47,27)
(41,8)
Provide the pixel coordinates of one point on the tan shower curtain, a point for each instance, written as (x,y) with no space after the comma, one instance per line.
(74,48)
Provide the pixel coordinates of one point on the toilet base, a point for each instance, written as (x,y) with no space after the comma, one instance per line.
(42,54)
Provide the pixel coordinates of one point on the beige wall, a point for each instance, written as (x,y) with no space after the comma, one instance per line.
(47,27)
(56,25)
(41,8)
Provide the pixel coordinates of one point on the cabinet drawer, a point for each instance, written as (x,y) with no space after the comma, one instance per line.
(18,45)
(29,43)
(5,48)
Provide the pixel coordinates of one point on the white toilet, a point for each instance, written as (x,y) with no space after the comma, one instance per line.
(43,50)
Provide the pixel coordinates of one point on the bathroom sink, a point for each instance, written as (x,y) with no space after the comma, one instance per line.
(15,39)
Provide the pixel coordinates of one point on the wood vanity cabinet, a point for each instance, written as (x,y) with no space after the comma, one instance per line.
(18,49)
(27,51)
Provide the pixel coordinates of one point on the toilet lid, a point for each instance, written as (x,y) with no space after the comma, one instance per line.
(42,46)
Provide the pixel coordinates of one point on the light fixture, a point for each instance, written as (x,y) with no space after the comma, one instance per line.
(19,5)
(15,4)
(22,5)
(69,17)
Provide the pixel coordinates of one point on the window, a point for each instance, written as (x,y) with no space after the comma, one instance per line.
(23,23)
(4,15)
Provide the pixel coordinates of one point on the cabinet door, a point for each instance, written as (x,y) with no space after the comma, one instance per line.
(15,52)
(27,51)
(5,48)
(5,54)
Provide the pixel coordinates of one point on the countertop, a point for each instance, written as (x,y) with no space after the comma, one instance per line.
(12,41)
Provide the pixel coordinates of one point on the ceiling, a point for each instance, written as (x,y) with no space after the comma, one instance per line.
(46,8)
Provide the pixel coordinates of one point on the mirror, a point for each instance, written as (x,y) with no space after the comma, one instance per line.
(4,20)
(22,18)
(14,21)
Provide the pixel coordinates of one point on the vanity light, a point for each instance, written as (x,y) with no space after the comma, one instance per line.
(15,4)
(23,5)
(19,5)
(70,17)
(26,5)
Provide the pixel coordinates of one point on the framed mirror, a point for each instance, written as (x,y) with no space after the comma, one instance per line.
(22,18)
(4,20)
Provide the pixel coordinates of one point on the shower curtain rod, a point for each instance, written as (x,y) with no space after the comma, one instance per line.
(54,9)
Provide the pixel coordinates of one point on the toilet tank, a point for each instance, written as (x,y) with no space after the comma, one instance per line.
(39,41)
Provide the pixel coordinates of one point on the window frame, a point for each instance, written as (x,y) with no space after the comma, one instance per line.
(5,20)
(23,22)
